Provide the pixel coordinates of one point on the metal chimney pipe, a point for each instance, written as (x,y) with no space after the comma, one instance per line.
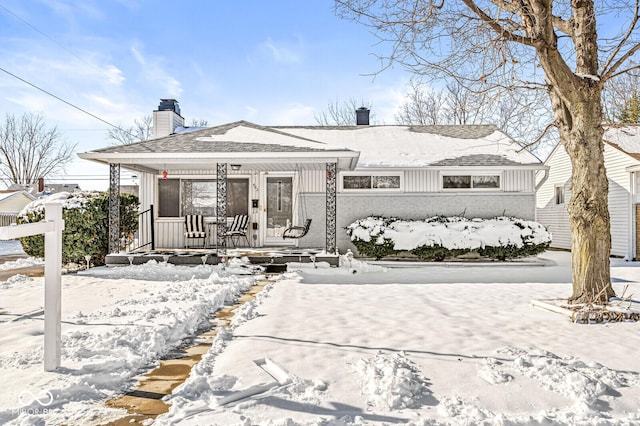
(362,116)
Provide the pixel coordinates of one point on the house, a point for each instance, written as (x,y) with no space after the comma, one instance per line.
(283,175)
(40,188)
(11,203)
(622,162)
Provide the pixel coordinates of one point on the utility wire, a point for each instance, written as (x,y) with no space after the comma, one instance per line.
(60,99)
(49,93)
(33,27)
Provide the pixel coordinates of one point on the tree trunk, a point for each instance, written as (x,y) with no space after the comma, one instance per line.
(589,217)
(577,109)
(581,133)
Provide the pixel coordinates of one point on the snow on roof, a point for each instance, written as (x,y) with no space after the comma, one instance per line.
(625,138)
(379,146)
(248,133)
(419,146)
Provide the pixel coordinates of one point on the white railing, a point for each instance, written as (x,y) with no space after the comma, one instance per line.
(51,227)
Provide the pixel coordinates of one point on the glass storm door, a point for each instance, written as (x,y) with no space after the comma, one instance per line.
(279,207)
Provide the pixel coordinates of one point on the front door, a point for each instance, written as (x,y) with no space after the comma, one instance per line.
(280,208)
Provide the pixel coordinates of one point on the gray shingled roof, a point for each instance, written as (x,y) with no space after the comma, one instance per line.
(196,141)
(466,131)
(477,160)
(462,131)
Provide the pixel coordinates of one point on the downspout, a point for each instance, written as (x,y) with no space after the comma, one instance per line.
(538,186)
(544,178)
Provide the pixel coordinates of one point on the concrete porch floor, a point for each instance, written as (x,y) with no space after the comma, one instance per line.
(259,256)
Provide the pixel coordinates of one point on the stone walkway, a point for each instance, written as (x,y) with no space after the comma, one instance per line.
(145,402)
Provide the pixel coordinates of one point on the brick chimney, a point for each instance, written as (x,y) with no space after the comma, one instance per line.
(40,184)
(166,118)
(362,116)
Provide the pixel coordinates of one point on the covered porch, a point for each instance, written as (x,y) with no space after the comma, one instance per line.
(278,182)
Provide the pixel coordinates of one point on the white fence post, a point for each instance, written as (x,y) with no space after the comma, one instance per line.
(52,228)
(52,287)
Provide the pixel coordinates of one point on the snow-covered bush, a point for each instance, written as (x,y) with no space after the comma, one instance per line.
(439,237)
(86,224)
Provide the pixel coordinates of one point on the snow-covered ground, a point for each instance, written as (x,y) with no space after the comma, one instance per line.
(362,344)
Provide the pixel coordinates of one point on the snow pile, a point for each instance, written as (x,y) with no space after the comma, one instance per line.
(21,263)
(392,381)
(68,200)
(449,232)
(582,382)
(202,390)
(107,346)
(164,271)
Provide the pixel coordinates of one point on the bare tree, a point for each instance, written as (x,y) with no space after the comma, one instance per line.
(342,114)
(29,150)
(522,115)
(422,107)
(142,130)
(200,122)
(543,44)
(620,99)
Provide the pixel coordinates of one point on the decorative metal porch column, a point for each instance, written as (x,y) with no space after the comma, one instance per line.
(114,208)
(331,208)
(221,204)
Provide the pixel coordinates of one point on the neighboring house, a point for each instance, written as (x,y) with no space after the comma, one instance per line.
(40,188)
(622,162)
(281,175)
(12,203)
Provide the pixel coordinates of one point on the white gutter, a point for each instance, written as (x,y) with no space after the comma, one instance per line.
(544,178)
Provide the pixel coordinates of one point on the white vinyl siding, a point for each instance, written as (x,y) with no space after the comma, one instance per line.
(556,218)
(518,181)
(14,203)
(421,195)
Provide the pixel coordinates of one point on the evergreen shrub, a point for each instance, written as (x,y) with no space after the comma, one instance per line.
(86,224)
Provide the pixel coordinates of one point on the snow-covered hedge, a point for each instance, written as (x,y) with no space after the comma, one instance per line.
(439,237)
(86,224)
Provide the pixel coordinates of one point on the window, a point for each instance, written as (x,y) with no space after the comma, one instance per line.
(178,197)
(371,181)
(169,197)
(559,194)
(471,182)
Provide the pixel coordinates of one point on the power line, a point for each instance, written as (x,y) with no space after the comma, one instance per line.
(49,93)
(61,100)
(33,27)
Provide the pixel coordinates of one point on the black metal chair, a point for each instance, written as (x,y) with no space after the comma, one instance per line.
(194,229)
(297,231)
(238,229)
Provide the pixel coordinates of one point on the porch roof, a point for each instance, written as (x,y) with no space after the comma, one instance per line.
(247,144)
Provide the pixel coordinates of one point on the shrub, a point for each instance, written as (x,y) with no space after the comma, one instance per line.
(436,252)
(375,249)
(86,224)
(368,236)
(439,237)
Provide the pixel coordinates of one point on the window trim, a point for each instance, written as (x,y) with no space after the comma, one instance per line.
(471,175)
(555,194)
(399,174)
(181,178)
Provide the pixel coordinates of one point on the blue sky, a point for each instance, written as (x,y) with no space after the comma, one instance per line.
(278,62)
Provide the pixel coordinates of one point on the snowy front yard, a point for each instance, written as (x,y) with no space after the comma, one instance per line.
(415,345)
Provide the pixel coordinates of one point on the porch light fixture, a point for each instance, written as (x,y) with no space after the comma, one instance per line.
(236,167)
